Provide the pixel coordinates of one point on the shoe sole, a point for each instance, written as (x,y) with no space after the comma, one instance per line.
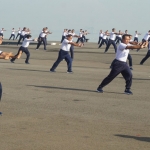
(128,93)
(99,91)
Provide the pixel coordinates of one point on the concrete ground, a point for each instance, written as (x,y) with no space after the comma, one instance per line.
(60,111)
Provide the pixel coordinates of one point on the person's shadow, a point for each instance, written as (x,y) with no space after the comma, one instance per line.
(143,139)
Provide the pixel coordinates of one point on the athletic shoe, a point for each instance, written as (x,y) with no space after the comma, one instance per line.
(141,64)
(52,70)
(99,90)
(131,68)
(12,61)
(27,63)
(69,71)
(128,92)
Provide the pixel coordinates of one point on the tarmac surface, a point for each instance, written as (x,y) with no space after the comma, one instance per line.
(60,111)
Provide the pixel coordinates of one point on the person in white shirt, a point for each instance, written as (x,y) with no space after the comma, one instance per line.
(120,66)
(64,54)
(41,38)
(80,36)
(100,36)
(24,48)
(119,37)
(22,35)
(147,55)
(63,35)
(19,32)
(112,40)
(104,39)
(2,31)
(12,34)
(136,36)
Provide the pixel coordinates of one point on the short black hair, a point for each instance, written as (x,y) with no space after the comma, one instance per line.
(125,35)
(69,35)
(28,36)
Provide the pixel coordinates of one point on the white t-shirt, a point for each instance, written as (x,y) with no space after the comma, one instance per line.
(23,33)
(101,34)
(64,33)
(13,32)
(19,31)
(26,42)
(112,36)
(136,35)
(80,34)
(122,53)
(146,37)
(104,36)
(43,35)
(65,46)
(120,35)
(1,31)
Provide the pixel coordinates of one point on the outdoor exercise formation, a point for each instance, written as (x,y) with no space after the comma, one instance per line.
(122,43)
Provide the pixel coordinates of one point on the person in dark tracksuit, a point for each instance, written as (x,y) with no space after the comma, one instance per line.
(112,41)
(42,39)
(120,66)
(19,32)
(24,48)
(64,54)
(22,35)
(12,34)
(100,37)
(147,55)
(104,39)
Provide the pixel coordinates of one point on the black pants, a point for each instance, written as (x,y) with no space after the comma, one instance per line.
(130,60)
(20,38)
(100,39)
(136,39)
(102,43)
(63,37)
(63,55)
(26,51)
(1,34)
(146,57)
(119,39)
(12,35)
(117,68)
(72,51)
(109,43)
(41,39)
(17,35)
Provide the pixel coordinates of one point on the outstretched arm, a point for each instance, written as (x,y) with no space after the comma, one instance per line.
(144,45)
(75,44)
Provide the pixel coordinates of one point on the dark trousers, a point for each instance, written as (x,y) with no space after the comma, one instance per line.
(136,39)
(109,43)
(102,43)
(17,35)
(26,51)
(45,40)
(130,60)
(12,35)
(146,57)
(72,51)
(117,68)
(84,38)
(63,55)
(20,38)
(63,37)
(100,39)
(119,39)
(1,34)
(41,39)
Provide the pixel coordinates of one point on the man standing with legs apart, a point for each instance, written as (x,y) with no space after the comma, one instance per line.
(120,66)
(64,54)
(112,40)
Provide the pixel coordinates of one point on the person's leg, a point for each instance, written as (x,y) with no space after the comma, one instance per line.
(69,62)
(117,68)
(108,45)
(26,51)
(78,40)
(14,58)
(72,51)
(127,74)
(10,37)
(114,45)
(101,43)
(44,42)
(13,36)
(61,56)
(99,40)
(20,38)
(130,61)
(39,43)
(145,58)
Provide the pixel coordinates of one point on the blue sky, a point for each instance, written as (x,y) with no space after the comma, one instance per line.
(92,15)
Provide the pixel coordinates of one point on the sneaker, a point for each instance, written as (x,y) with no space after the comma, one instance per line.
(69,71)
(131,68)
(141,64)
(128,92)
(36,49)
(99,90)
(52,70)
(12,61)
(27,63)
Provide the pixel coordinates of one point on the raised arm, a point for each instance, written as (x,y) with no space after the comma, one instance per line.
(144,45)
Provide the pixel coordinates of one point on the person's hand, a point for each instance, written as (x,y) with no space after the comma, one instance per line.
(80,45)
(35,39)
(144,45)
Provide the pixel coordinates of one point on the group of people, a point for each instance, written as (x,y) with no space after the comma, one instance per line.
(118,65)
